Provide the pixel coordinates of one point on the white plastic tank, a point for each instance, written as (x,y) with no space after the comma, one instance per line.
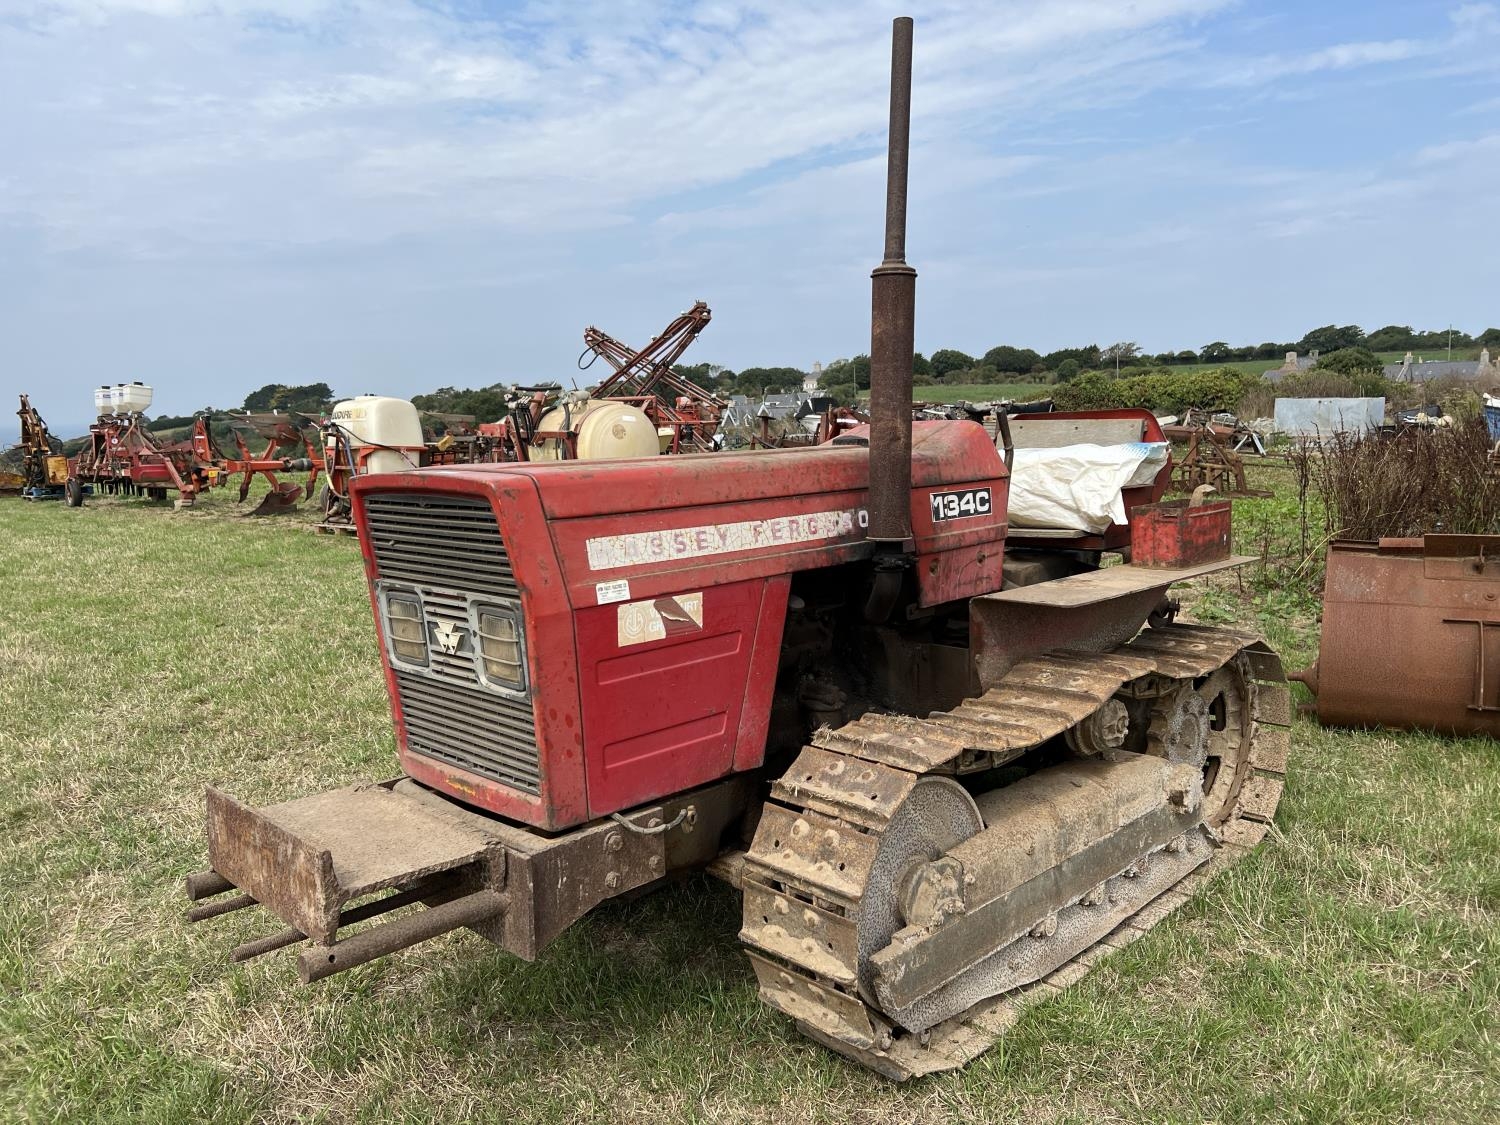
(604,429)
(131,398)
(104,400)
(392,424)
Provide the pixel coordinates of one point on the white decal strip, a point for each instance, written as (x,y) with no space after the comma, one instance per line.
(611,551)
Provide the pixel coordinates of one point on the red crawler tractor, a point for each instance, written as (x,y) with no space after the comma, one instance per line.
(944,762)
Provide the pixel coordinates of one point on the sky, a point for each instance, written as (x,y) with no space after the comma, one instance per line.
(211,195)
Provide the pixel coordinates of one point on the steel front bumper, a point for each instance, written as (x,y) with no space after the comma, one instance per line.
(318,862)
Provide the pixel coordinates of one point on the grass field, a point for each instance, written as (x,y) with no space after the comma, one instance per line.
(1259,366)
(1349,971)
(1023,392)
(980,392)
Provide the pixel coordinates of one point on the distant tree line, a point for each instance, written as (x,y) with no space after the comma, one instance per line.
(309,398)
(1346,350)
(486,404)
(1005,364)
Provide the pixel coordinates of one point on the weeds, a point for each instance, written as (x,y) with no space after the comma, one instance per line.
(1409,484)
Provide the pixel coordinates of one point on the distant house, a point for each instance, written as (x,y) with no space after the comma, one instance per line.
(780,405)
(786,404)
(810,381)
(1293,364)
(739,411)
(1411,370)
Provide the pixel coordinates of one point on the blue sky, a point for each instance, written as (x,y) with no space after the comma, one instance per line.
(209,196)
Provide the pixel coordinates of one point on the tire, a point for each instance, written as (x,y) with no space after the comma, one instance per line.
(73,493)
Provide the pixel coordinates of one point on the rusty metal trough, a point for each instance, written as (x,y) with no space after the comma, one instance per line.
(1411,635)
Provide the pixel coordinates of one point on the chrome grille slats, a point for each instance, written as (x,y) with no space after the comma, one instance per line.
(449,542)
(459,726)
(449,550)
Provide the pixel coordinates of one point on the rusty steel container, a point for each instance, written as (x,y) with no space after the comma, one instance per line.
(1411,635)
(1178,533)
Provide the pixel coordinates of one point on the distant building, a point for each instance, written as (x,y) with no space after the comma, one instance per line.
(810,380)
(788,404)
(1292,364)
(1411,370)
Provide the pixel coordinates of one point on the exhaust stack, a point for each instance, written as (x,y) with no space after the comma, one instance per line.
(893,326)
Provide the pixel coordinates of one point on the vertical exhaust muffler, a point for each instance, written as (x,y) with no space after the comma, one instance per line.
(892,343)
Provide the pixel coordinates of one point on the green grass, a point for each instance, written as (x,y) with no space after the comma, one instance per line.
(1350,970)
(1259,366)
(1024,392)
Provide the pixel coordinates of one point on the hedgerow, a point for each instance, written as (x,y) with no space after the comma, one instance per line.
(1170,392)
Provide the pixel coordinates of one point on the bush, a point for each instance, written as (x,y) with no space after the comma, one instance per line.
(845,393)
(1323,382)
(1161,391)
(945,361)
(1354,362)
(1459,398)
(166,422)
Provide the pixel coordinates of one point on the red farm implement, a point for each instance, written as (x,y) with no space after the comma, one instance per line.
(291,445)
(123,457)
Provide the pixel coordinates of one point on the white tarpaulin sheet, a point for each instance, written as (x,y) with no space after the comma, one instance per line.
(1078,487)
(1309,417)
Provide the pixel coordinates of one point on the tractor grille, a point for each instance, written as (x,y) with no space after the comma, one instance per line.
(450,542)
(449,549)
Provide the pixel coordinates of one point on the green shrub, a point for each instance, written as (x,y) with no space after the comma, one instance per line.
(1168,392)
(1326,382)
(1352,361)
(844,392)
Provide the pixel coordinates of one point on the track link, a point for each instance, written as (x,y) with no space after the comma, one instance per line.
(812,857)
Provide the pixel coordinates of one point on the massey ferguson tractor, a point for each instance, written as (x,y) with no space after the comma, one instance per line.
(947,762)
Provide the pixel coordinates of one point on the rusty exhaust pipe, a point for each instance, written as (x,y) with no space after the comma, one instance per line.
(893,324)
(892,342)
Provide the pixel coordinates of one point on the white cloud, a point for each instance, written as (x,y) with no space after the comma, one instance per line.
(1472,25)
(1342,56)
(378,186)
(302,120)
(1476,19)
(1457,151)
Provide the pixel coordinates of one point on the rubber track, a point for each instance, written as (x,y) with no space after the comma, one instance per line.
(806,870)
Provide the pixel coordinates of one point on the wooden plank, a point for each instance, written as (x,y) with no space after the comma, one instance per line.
(1040,432)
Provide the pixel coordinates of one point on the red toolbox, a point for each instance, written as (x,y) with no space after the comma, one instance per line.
(1176,533)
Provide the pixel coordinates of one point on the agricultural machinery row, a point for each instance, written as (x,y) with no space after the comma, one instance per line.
(121,456)
(644,407)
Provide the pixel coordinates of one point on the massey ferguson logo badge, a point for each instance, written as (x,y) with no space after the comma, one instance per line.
(447,636)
